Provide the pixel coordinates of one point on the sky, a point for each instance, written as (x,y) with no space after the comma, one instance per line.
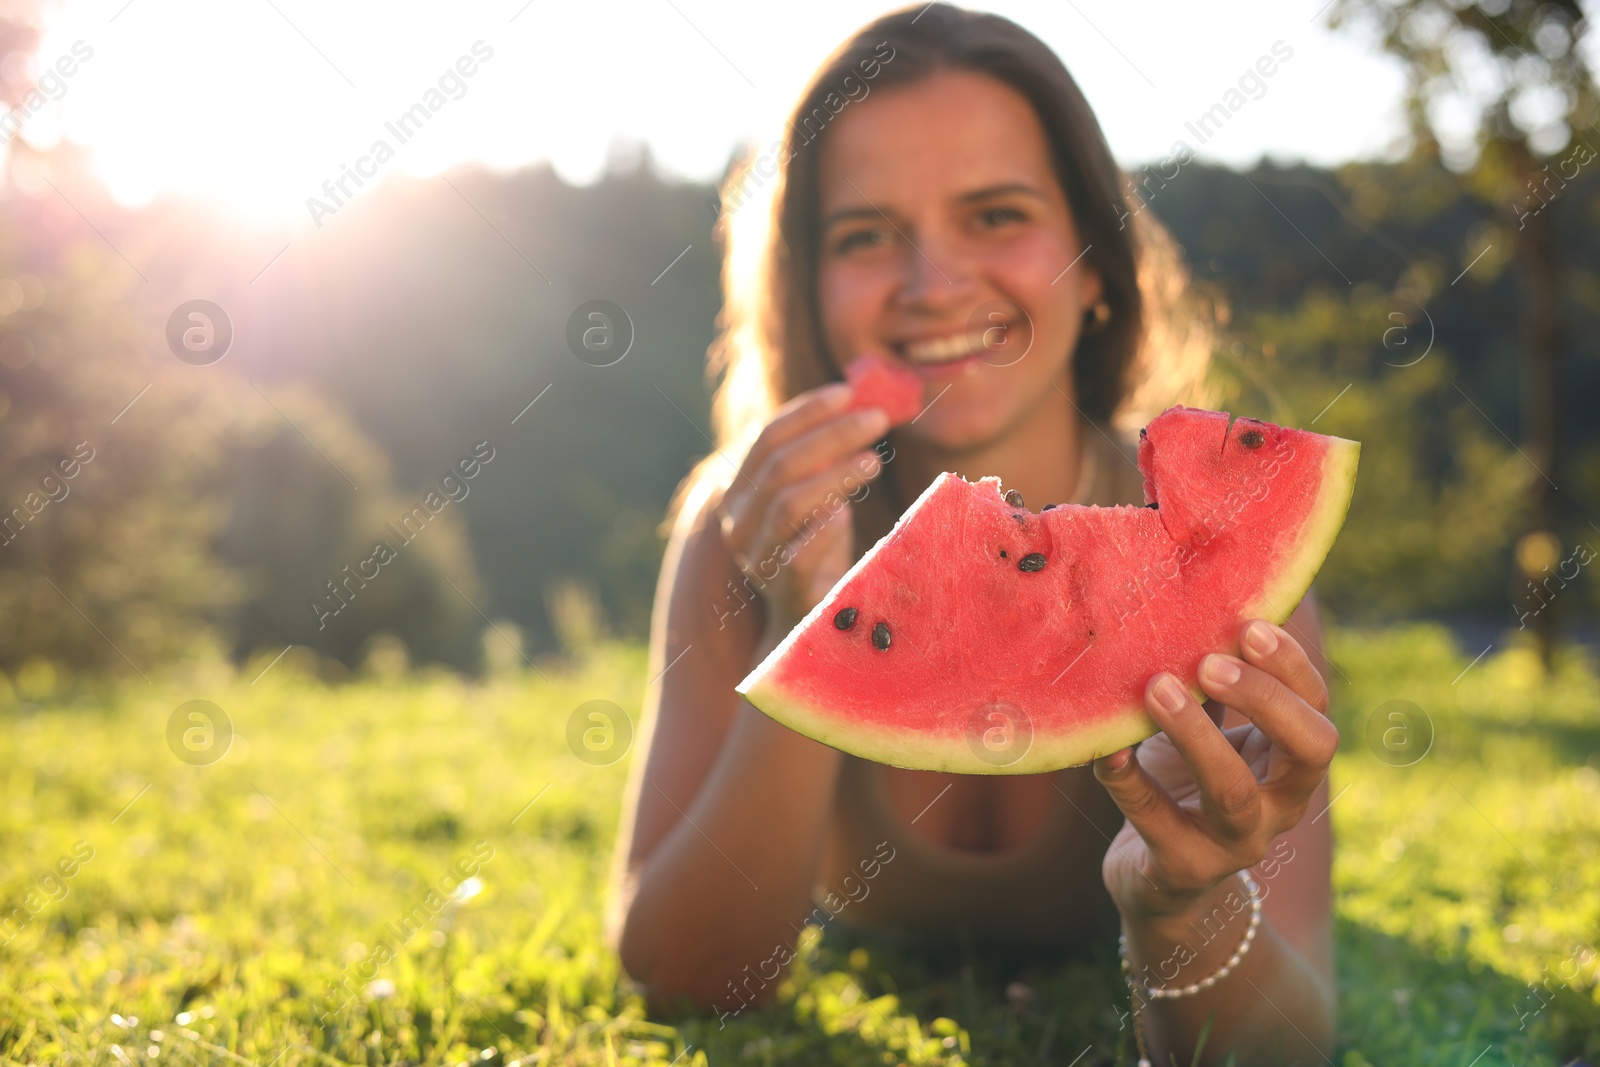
(254,104)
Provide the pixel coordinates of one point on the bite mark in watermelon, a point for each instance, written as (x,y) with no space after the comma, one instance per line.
(877,382)
(981,637)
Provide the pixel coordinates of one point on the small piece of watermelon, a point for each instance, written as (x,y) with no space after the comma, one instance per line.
(980,637)
(878,382)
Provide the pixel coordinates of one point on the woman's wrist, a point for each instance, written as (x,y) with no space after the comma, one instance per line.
(1195,937)
(1141,902)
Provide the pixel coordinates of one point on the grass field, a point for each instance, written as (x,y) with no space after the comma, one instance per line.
(222,908)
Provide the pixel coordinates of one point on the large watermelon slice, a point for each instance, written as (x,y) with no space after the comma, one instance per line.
(877,382)
(981,637)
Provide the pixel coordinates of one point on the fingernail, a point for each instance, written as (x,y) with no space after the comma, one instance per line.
(873,420)
(1222,670)
(1170,695)
(837,394)
(1118,760)
(1260,639)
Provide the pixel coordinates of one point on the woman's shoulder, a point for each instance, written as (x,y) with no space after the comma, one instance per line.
(702,591)
(695,552)
(694,507)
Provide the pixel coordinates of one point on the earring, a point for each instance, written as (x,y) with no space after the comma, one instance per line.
(1098,315)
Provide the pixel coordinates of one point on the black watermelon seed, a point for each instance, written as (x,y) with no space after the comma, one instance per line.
(880,637)
(1002,553)
(1047,507)
(1154,504)
(1141,431)
(1252,439)
(1033,561)
(1014,498)
(845,619)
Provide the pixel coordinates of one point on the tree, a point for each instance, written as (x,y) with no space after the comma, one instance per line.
(105,522)
(1502,93)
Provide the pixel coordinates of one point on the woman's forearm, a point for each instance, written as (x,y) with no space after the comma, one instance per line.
(725,885)
(1272,1007)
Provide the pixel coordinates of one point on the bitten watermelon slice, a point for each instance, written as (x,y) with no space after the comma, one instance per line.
(875,382)
(984,638)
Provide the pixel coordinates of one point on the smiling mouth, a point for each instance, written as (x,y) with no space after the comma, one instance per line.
(946,349)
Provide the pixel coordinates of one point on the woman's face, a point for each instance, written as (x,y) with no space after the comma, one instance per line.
(947,242)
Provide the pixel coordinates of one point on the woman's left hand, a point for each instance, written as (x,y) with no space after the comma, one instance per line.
(1203,803)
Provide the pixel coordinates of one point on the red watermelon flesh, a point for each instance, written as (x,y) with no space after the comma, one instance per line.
(990,639)
(877,382)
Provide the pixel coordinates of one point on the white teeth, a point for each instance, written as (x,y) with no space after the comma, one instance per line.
(944,349)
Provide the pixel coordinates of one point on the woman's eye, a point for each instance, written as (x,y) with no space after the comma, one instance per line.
(994,217)
(859,239)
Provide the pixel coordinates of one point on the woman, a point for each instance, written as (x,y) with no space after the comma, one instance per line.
(944,195)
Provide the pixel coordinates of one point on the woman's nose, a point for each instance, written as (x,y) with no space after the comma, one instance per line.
(936,275)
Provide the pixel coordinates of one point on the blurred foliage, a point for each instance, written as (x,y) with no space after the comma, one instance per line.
(224,902)
(113,566)
(1437,493)
(1503,94)
(1487,85)
(435,326)
(428,316)
(295,524)
(393,350)
(197,503)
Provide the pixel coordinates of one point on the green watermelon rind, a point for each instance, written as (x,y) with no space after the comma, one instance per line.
(1086,742)
(900,749)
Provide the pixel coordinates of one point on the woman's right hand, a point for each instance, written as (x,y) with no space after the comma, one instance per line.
(785,518)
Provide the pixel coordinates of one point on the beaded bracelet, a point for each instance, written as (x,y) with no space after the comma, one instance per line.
(1138,986)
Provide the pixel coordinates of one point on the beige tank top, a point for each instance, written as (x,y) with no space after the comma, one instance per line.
(1047,893)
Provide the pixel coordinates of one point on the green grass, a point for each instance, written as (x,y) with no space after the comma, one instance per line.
(221,909)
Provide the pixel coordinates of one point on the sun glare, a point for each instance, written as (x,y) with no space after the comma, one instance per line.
(287,110)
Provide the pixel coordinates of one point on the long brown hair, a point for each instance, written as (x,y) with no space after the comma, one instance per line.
(1153,351)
